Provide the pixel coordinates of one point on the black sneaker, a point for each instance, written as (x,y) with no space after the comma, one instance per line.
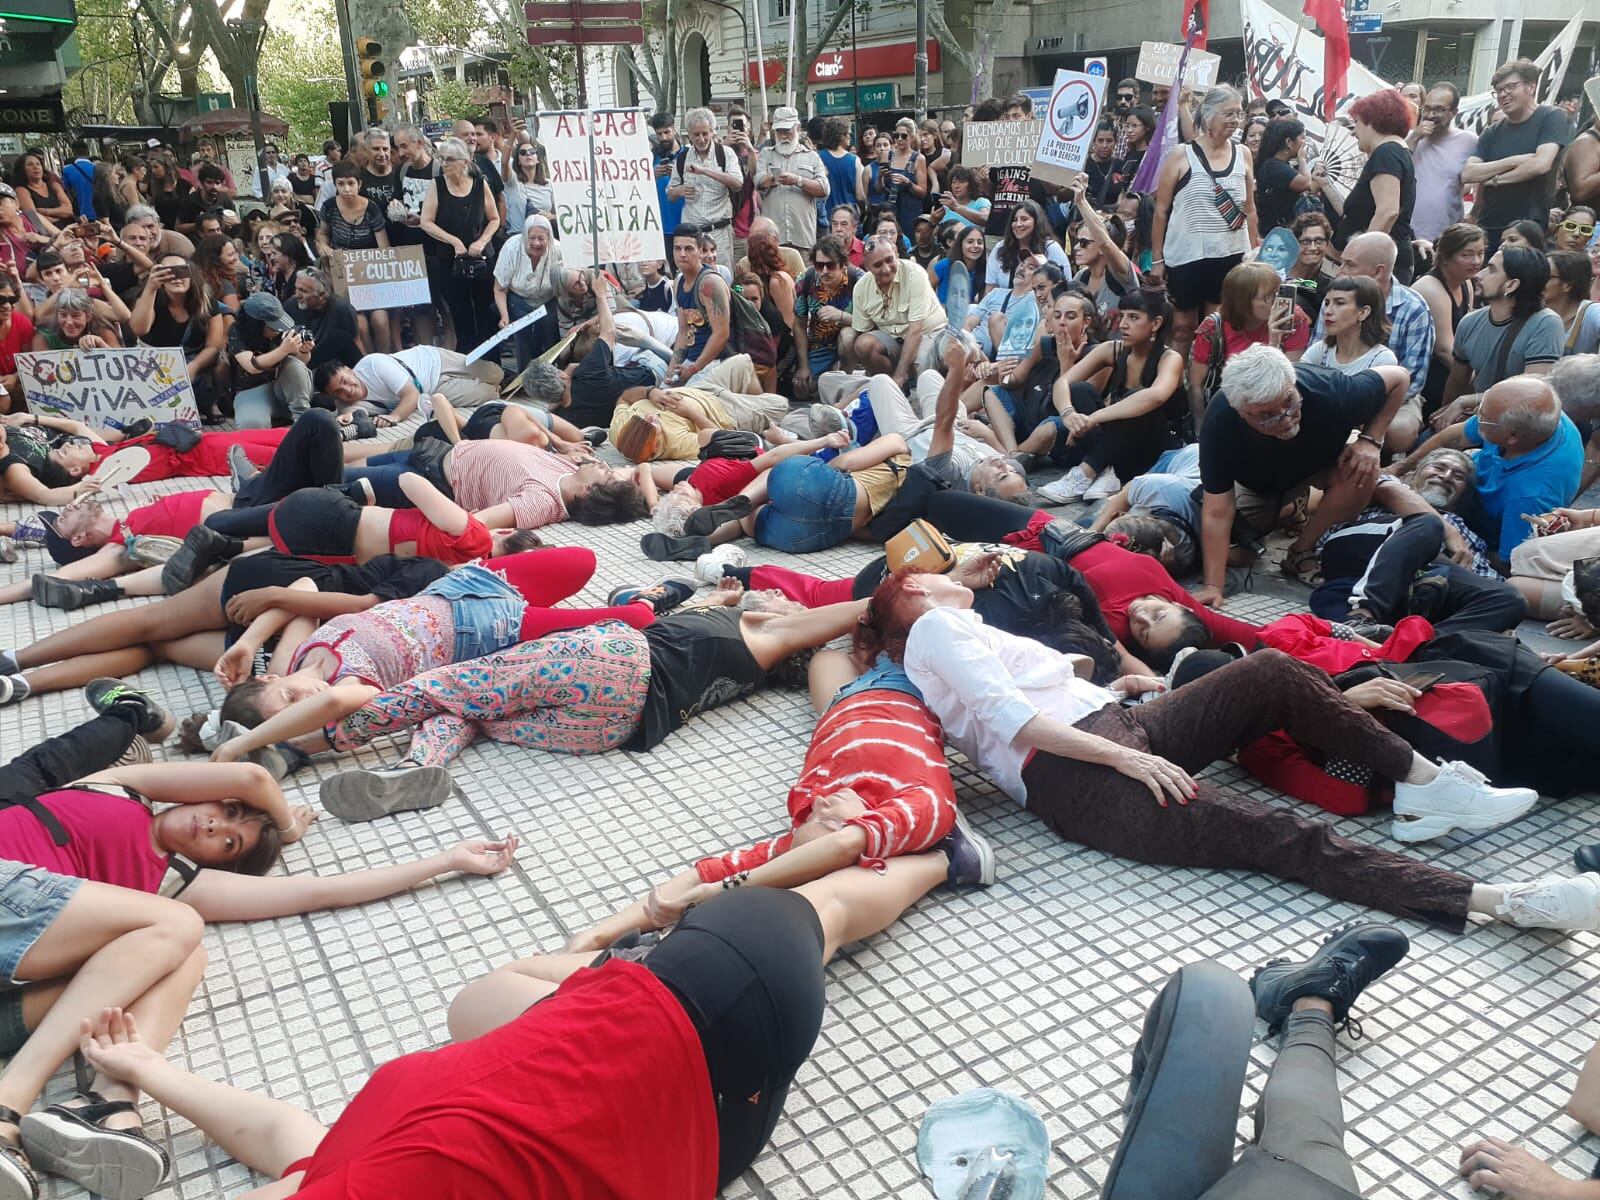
(1587,858)
(709,518)
(138,428)
(1373,630)
(595,435)
(971,857)
(155,722)
(1338,972)
(662,597)
(660,547)
(202,549)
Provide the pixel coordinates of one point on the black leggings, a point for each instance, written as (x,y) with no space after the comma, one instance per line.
(310,455)
(316,523)
(747,968)
(964,517)
(1129,446)
(56,762)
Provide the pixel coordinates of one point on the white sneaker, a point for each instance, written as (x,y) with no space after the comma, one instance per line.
(1104,487)
(425,405)
(708,567)
(1459,798)
(1069,487)
(1556,903)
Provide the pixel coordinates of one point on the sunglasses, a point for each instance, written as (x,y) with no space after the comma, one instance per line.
(527,152)
(900,133)
(7,300)
(1581,228)
(1080,243)
(823,264)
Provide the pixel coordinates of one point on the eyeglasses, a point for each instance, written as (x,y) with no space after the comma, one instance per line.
(1283,416)
(1509,85)
(1579,228)
(1436,110)
(1314,241)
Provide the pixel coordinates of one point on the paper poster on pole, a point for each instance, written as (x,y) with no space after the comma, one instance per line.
(1076,101)
(999,143)
(1158,64)
(396,277)
(109,388)
(1283,61)
(616,204)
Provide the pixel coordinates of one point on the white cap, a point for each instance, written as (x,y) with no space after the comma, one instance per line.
(785,118)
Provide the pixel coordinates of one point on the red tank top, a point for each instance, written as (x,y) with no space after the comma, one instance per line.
(409,525)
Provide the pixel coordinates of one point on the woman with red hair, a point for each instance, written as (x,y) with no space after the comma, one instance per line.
(1382,198)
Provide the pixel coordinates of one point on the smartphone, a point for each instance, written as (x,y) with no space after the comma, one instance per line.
(1283,304)
(1422,680)
(738,123)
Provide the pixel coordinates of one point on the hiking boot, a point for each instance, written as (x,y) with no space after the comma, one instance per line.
(1349,960)
(69,594)
(202,549)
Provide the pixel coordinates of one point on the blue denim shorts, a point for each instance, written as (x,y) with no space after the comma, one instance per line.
(810,506)
(30,901)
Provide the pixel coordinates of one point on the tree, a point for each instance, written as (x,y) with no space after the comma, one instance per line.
(301,76)
(450,99)
(981,35)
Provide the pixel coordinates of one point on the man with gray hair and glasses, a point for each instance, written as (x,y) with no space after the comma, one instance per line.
(330,319)
(707,176)
(1276,430)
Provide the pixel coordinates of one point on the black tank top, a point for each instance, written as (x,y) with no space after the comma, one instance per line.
(461,215)
(698,661)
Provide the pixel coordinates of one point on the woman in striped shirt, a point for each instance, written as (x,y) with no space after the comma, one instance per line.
(874,786)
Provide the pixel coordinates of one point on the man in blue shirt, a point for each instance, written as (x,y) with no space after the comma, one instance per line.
(1531,457)
(662,153)
(79,176)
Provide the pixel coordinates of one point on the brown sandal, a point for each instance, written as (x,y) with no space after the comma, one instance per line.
(17,1180)
(1303,566)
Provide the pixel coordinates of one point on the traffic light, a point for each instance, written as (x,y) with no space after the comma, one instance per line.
(371,68)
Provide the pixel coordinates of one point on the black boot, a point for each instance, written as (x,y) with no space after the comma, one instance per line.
(202,549)
(150,718)
(51,592)
(1338,972)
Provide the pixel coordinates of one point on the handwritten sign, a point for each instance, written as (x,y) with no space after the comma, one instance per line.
(999,143)
(109,388)
(1158,64)
(379,278)
(1285,61)
(611,214)
(1076,100)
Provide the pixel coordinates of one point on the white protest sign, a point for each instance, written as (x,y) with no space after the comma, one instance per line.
(1285,62)
(109,388)
(999,143)
(1158,64)
(500,335)
(1076,100)
(616,204)
(396,277)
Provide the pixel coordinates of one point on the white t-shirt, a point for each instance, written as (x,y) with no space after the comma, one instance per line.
(1320,354)
(386,375)
(658,326)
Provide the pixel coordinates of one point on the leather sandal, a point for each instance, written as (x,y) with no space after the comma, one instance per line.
(17,1180)
(118,1164)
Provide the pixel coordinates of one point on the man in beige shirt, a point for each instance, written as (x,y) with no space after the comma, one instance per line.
(894,317)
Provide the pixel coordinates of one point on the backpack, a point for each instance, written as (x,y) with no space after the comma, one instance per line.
(744,208)
(748,331)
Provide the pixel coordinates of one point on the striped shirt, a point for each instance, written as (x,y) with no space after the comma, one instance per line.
(488,473)
(888,748)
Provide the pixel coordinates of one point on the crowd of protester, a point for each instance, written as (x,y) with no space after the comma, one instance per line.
(1074,422)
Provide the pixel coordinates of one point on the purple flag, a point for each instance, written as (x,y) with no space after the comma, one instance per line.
(1166,136)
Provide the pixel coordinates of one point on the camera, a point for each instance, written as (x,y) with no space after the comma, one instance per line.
(304,334)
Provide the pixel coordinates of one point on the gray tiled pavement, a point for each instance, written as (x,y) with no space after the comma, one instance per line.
(1036,985)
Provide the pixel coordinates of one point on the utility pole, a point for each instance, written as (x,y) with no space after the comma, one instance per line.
(922,60)
(354,108)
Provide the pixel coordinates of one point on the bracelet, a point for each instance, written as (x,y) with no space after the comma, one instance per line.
(1369,439)
(735,881)
(291,828)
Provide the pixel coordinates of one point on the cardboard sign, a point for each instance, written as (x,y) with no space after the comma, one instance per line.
(1010,190)
(1158,64)
(999,143)
(379,278)
(611,214)
(1076,101)
(109,388)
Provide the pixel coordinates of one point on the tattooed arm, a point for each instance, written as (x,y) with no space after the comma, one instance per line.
(714,299)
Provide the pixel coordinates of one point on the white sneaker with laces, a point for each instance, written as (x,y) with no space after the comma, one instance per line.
(1556,903)
(1069,488)
(1458,798)
(708,567)
(1105,486)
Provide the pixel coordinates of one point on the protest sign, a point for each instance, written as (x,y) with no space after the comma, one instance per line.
(999,143)
(515,327)
(616,204)
(1283,61)
(1158,64)
(1010,189)
(109,388)
(1069,124)
(396,277)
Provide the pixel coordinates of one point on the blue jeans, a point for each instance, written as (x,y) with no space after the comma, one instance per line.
(810,506)
(383,472)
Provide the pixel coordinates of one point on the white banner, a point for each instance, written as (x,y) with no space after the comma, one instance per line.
(1281,67)
(109,388)
(1076,101)
(1476,110)
(618,201)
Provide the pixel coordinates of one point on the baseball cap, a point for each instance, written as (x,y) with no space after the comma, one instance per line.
(785,118)
(61,550)
(268,311)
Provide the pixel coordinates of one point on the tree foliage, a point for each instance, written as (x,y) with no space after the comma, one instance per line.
(302,72)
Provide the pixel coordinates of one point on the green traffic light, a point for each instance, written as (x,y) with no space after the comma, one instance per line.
(380,88)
